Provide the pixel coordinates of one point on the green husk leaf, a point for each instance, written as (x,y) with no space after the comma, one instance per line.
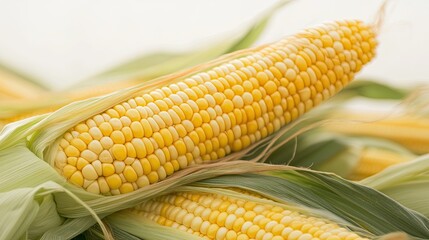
(358,205)
(375,90)
(158,64)
(407,183)
(146,229)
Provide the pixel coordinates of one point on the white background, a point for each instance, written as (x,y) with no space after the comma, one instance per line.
(62,42)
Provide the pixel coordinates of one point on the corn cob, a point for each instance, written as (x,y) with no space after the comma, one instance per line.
(374,160)
(217,216)
(213,113)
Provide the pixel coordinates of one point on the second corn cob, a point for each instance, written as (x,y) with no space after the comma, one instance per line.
(216,216)
(213,113)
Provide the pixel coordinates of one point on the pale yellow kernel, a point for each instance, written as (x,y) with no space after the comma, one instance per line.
(238,101)
(60,159)
(89,172)
(147,127)
(149,145)
(142,181)
(103,186)
(247,98)
(89,155)
(106,142)
(165,116)
(115,123)
(136,165)
(295,234)
(95,147)
(158,123)
(97,166)
(158,139)
(105,157)
(290,75)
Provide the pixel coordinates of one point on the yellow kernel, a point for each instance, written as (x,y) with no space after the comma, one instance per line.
(108,169)
(227,106)
(119,152)
(130,174)
(117,137)
(301,63)
(68,171)
(72,151)
(262,78)
(270,87)
(77,178)
(114,181)
(154,162)
(126,188)
(106,129)
(78,143)
(153,177)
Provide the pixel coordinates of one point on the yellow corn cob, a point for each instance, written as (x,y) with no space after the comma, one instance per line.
(374,160)
(215,216)
(213,113)
(411,132)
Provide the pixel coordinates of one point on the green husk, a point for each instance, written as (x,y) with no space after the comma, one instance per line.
(408,183)
(374,90)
